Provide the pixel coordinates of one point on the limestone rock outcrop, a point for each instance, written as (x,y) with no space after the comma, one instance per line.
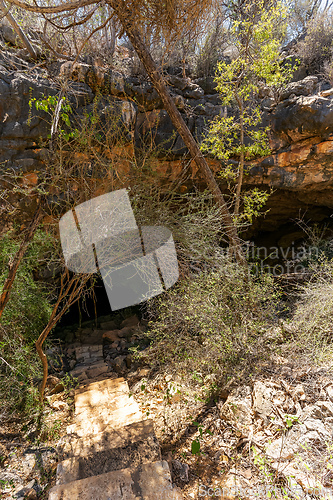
(299,169)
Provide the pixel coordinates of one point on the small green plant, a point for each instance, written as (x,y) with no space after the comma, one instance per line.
(170,393)
(54,431)
(196,376)
(290,420)
(6,483)
(51,105)
(262,464)
(196,445)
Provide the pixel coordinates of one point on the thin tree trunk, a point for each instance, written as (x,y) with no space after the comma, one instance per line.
(39,346)
(70,292)
(112,40)
(13,267)
(241,163)
(55,121)
(18,31)
(128,22)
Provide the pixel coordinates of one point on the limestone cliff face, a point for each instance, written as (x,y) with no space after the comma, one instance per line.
(299,169)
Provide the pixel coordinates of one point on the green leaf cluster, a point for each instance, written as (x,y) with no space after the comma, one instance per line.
(49,105)
(28,309)
(24,317)
(240,137)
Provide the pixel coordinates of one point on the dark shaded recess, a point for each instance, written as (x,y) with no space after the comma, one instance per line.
(285,208)
(290,237)
(278,228)
(84,309)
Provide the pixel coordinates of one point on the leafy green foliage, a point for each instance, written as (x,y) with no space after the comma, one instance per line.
(49,105)
(196,444)
(195,447)
(209,322)
(28,308)
(23,319)
(253,202)
(242,136)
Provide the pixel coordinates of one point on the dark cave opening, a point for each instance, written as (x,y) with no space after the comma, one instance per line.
(276,230)
(93,306)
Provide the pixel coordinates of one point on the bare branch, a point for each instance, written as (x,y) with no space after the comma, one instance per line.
(76,23)
(61,56)
(18,30)
(100,27)
(55,121)
(53,9)
(72,292)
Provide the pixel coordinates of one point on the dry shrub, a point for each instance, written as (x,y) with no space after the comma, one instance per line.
(216,315)
(210,322)
(316,48)
(211,50)
(193,218)
(311,323)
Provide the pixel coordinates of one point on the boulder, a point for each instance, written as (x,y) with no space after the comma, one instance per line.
(155,127)
(177,82)
(9,34)
(119,364)
(97,369)
(53,385)
(179,101)
(126,332)
(307,86)
(208,84)
(131,321)
(112,335)
(299,118)
(115,83)
(262,400)
(108,325)
(237,407)
(180,470)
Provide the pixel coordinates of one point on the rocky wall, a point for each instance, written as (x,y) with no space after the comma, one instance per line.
(299,170)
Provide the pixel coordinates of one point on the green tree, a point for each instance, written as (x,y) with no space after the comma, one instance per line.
(256,38)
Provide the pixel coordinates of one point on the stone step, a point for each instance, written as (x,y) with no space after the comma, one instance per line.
(101,419)
(150,481)
(112,385)
(97,394)
(90,337)
(89,352)
(111,404)
(90,370)
(121,404)
(111,458)
(95,443)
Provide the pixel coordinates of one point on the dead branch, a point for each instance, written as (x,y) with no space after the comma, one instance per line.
(65,7)
(18,30)
(70,293)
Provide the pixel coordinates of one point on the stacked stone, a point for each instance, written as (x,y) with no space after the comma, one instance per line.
(111,452)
